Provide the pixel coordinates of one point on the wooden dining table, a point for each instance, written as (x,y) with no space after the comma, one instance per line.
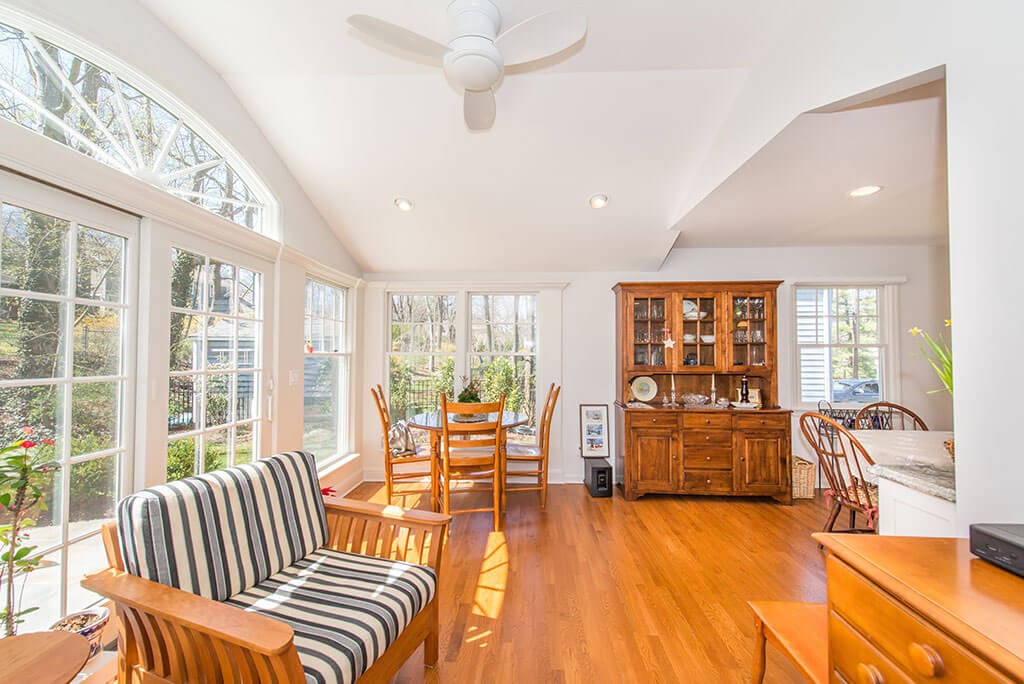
(431,421)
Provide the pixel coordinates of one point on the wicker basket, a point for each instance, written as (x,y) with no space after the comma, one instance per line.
(804,474)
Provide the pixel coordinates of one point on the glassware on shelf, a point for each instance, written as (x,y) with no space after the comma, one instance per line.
(739,307)
(657,309)
(640,310)
(640,356)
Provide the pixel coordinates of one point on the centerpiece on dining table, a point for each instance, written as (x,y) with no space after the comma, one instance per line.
(470,394)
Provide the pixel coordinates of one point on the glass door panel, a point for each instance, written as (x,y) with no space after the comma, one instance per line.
(699,335)
(750,334)
(649,325)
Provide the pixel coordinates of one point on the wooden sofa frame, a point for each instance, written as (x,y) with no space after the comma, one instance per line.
(169,635)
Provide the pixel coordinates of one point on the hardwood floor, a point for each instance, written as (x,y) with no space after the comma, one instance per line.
(605,590)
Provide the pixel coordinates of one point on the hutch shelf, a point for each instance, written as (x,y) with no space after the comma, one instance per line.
(701,338)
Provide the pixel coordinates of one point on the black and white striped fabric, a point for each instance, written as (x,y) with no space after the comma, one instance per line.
(345,609)
(218,534)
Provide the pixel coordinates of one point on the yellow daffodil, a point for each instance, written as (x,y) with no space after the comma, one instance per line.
(915,331)
(949,322)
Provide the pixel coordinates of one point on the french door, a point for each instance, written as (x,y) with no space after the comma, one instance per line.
(67,367)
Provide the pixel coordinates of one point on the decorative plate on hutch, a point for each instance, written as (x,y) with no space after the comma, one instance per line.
(644,388)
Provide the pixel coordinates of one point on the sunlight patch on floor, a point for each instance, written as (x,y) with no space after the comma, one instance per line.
(493,577)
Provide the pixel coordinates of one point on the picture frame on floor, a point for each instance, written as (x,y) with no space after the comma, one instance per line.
(594,431)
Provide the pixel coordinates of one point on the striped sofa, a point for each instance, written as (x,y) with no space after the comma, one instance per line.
(249,575)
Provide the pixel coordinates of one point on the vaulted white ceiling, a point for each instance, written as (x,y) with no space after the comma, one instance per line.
(633,112)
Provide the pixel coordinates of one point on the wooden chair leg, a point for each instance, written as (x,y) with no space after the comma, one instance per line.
(543,490)
(757,672)
(388,477)
(833,515)
(853,518)
(498,494)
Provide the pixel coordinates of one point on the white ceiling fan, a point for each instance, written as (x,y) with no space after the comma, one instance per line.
(478,50)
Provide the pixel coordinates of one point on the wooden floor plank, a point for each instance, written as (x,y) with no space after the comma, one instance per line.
(606,590)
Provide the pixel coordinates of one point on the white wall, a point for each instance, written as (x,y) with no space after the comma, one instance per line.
(588,325)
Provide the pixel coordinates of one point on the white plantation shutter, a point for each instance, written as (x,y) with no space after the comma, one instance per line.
(812,329)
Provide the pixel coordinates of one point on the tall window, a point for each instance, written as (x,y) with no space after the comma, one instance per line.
(63,372)
(91,109)
(216,360)
(840,344)
(503,350)
(326,372)
(422,358)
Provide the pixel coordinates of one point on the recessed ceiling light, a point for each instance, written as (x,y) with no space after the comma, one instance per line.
(403,204)
(865,190)
(599,201)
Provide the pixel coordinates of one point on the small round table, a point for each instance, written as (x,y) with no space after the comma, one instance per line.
(43,657)
(431,422)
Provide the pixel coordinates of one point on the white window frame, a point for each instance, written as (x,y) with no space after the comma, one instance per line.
(35,196)
(345,416)
(889,345)
(270,221)
(461,334)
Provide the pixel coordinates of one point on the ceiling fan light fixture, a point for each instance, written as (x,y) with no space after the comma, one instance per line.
(403,204)
(598,201)
(865,190)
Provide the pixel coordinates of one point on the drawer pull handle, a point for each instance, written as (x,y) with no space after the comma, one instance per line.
(762,421)
(707,438)
(869,674)
(654,420)
(926,660)
(707,421)
(708,458)
(709,481)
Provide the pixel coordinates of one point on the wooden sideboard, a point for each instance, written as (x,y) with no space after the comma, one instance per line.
(720,333)
(908,609)
(690,451)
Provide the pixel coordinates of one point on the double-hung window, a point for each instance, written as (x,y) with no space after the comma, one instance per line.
(326,371)
(503,350)
(215,364)
(841,344)
(422,352)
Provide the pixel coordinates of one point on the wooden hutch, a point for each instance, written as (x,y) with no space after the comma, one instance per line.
(722,331)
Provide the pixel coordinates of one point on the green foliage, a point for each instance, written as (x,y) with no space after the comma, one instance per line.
(181,455)
(938,352)
(470,390)
(444,379)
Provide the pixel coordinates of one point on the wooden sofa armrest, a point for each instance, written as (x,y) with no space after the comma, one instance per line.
(212,618)
(179,636)
(382,531)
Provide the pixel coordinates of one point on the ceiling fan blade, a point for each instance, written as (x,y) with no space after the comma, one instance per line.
(541,36)
(479,109)
(399,37)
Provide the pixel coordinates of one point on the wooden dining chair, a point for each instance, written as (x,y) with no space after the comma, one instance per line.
(471,451)
(885,416)
(840,456)
(535,456)
(403,457)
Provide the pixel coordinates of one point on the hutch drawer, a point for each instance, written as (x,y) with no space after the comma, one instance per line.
(717,421)
(707,481)
(659,420)
(708,438)
(770,421)
(711,458)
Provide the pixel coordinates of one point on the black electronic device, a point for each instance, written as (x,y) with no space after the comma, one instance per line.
(1001,545)
(598,477)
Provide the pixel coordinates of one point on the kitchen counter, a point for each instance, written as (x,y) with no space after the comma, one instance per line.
(933,480)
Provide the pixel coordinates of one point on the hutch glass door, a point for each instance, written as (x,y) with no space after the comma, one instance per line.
(749,337)
(699,337)
(650,318)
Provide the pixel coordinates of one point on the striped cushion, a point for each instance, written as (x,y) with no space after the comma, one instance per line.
(345,608)
(220,533)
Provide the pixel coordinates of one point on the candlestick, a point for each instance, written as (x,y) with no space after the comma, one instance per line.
(673,384)
(712,382)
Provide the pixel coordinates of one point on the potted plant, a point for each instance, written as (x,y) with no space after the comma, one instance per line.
(470,394)
(23,471)
(939,353)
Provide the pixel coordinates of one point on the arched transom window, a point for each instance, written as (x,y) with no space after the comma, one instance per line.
(91,109)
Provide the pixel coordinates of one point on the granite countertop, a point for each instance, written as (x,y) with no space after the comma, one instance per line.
(929,478)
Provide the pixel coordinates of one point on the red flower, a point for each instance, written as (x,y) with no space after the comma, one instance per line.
(48,441)
(327,491)
(28,431)
(28,444)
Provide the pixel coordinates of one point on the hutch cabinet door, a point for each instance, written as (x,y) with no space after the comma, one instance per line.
(752,318)
(699,332)
(647,319)
(760,461)
(655,460)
